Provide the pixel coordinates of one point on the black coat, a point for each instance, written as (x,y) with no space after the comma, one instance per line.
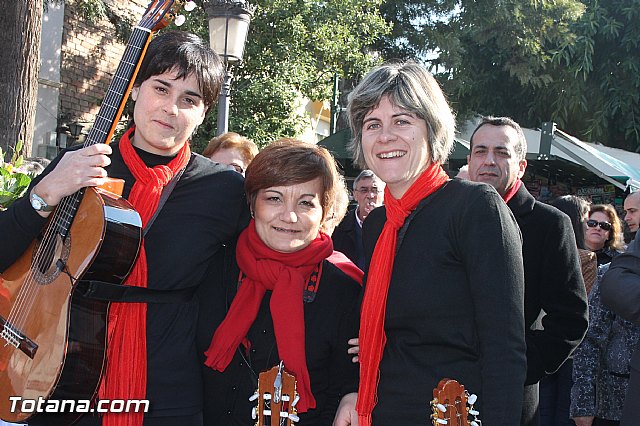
(347,236)
(455,306)
(554,290)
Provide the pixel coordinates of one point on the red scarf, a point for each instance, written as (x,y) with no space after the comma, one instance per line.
(347,266)
(286,274)
(372,336)
(512,191)
(126,371)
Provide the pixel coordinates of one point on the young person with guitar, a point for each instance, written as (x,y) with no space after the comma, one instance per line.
(151,330)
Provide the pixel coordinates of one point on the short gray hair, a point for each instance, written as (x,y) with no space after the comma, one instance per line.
(411,87)
(365,174)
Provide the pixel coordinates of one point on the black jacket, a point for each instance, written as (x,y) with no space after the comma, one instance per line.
(620,288)
(347,236)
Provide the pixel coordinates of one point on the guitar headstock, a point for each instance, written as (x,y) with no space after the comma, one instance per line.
(276,398)
(452,405)
(161,13)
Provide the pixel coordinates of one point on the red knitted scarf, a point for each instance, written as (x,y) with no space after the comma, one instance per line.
(372,336)
(126,371)
(286,274)
(512,191)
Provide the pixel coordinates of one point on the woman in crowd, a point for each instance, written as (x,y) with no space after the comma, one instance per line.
(292,301)
(555,389)
(603,233)
(231,149)
(601,364)
(444,293)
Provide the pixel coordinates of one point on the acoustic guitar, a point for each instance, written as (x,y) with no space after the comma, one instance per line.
(53,339)
(452,405)
(276,398)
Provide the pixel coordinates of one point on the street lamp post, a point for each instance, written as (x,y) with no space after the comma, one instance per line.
(228,28)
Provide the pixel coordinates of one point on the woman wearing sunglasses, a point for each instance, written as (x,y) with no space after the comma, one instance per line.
(603,233)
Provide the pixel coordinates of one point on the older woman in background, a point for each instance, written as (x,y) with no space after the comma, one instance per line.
(231,149)
(603,233)
(295,299)
(444,293)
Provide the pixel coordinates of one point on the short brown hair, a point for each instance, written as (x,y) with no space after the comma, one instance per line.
(288,162)
(247,148)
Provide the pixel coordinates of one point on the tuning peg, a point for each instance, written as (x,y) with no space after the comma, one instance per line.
(254,397)
(472,398)
(189,6)
(180,19)
(474,412)
(254,413)
(442,421)
(295,400)
(441,408)
(296,419)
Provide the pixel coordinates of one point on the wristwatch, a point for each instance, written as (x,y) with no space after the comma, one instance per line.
(39,204)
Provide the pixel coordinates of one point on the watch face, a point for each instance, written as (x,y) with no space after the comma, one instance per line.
(37,203)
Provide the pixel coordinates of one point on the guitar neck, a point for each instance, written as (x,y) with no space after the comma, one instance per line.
(118,91)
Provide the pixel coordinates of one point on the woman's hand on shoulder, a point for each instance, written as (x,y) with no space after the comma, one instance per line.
(346,414)
(354,349)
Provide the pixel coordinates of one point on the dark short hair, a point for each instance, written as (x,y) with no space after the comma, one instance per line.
(288,162)
(187,54)
(521,143)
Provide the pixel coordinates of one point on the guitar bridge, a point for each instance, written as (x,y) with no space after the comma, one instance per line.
(11,336)
(16,339)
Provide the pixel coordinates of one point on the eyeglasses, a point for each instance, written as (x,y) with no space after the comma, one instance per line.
(605,226)
(238,168)
(365,191)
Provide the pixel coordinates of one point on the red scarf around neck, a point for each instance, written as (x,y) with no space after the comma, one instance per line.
(372,336)
(126,370)
(286,274)
(512,191)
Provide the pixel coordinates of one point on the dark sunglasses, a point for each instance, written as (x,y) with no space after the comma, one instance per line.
(605,226)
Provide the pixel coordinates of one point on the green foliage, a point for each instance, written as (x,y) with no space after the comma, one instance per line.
(293,50)
(570,61)
(13,182)
(599,86)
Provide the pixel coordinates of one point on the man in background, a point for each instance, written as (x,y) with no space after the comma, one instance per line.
(368,192)
(555,301)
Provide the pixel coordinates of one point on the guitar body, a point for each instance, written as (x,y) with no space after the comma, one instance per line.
(60,354)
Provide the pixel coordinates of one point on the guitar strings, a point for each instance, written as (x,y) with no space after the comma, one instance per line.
(21,309)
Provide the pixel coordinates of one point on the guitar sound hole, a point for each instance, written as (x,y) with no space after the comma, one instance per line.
(49,252)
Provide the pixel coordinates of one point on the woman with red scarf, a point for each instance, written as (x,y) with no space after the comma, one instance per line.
(444,291)
(294,299)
